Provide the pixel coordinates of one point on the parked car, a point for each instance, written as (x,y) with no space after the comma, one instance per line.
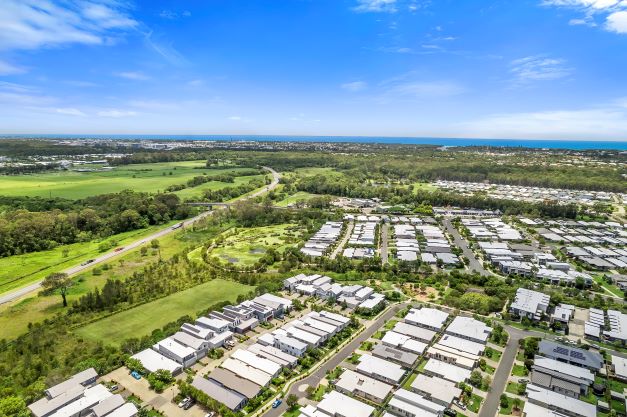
(87,262)
(136,375)
(210,414)
(276,403)
(459,404)
(189,405)
(113,388)
(449,412)
(118,249)
(523,381)
(184,402)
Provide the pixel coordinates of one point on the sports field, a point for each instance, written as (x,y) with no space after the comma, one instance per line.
(140,177)
(247,246)
(142,320)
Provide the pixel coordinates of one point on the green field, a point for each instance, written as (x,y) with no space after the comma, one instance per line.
(295,198)
(196,192)
(15,316)
(20,270)
(142,320)
(247,246)
(139,177)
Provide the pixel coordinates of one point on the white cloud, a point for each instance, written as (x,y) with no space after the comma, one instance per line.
(614,12)
(617,22)
(116,113)
(70,111)
(608,122)
(425,89)
(9,69)
(132,75)
(354,86)
(539,68)
(22,94)
(377,6)
(33,24)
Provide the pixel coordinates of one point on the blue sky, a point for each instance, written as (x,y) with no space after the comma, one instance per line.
(554,69)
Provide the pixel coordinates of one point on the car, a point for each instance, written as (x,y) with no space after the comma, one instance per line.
(113,388)
(210,414)
(184,402)
(523,381)
(118,249)
(276,403)
(449,412)
(87,262)
(189,404)
(459,404)
(136,375)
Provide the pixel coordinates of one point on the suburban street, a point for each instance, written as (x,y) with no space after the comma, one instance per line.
(342,242)
(385,231)
(315,378)
(473,263)
(13,295)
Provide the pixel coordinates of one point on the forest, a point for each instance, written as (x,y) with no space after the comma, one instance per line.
(64,222)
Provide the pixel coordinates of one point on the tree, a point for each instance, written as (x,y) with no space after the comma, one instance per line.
(57,281)
(134,365)
(517,403)
(154,244)
(291,401)
(13,406)
(504,401)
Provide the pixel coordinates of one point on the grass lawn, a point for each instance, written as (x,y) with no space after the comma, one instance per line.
(75,185)
(407,384)
(520,370)
(475,403)
(379,334)
(20,270)
(424,186)
(292,413)
(390,324)
(246,246)
(512,387)
(613,289)
(495,354)
(197,192)
(295,198)
(489,369)
(142,320)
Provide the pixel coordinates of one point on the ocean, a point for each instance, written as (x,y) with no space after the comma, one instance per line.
(512,143)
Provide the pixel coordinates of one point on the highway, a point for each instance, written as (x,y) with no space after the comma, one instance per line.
(20,292)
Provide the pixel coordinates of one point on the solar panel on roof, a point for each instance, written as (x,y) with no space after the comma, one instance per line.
(561,350)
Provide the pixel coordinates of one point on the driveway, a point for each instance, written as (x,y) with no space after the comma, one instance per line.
(315,378)
(473,263)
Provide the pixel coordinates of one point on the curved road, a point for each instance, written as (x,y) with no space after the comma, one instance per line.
(13,295)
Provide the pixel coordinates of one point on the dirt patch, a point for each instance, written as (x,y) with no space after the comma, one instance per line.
(414,291)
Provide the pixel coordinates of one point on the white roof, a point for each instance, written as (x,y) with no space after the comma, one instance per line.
(303,335)
(560,401)
(212,323)
(335,403)
(463,345)
(153,361)
(564,368)
(91,397)
(620,366)
(417,400)
(470,328)
(371,365)
(528,300)
(247,372)
(258,362)
(415,332)
(176,348)
(447,371)
(437,388)
(334,316)
(127,410)
(352,381)
(428,317)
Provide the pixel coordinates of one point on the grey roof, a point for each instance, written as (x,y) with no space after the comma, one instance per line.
(581,357)
(44,406)
(231,399)
(107,405)
(79,379)
(234,382)
(402,357)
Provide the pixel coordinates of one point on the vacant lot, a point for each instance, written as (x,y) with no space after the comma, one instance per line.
(20,270)
(142,320)
(295,198)
(247,246)
(75,185)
